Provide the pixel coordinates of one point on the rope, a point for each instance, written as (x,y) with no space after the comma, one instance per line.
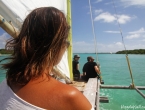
(119,26)
(132,86)
(95,41)
(128,62)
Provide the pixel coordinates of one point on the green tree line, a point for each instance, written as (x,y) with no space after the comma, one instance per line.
(4,51)
(135,51)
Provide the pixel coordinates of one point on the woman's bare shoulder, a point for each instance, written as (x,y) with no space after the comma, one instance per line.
(54,95)
(73,98)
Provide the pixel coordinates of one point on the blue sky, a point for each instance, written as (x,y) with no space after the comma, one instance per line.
(130,14)
(131,17)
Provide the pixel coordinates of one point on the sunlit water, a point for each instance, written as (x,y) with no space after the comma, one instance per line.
(114,69)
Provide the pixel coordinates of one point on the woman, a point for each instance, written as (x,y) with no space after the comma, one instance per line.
(76,72)
(40,46)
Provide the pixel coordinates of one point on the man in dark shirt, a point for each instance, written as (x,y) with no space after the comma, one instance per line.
(76,72)
(90,69)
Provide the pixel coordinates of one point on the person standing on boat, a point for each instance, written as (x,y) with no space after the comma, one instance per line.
(39,46)
(76,72)
(90,69)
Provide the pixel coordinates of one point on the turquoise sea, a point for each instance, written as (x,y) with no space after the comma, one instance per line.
(115,71)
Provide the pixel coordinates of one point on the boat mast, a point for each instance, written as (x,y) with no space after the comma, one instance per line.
(69,37)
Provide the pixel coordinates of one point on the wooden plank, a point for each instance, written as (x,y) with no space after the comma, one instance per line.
(114,87)
(140,92)
(104,99)
(98,95)
(90,90)
(79,85)
(140,87)
(120,87)
(81,89)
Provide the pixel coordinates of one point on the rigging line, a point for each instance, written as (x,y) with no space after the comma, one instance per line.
(132,86)
(119,26)
(95,43)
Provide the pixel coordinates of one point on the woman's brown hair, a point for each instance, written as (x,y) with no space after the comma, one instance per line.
(38,45)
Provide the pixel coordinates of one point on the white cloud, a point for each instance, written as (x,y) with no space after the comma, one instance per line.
(107,17)
(98,1)
(143,40)
(136,34)
(114,32)
(98,11)
(118,43)
(128,3)
(133,36)
(140,31)
(135,46)
(114,47)
(108,3)
(85,47)
(82,46)
(123,19)
(3,39)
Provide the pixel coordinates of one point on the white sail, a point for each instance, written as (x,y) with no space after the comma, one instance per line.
(17,10)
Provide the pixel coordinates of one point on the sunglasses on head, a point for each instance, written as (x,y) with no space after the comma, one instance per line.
(67,43)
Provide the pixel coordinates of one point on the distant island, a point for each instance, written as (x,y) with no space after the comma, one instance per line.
(4,51)
(135,51)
